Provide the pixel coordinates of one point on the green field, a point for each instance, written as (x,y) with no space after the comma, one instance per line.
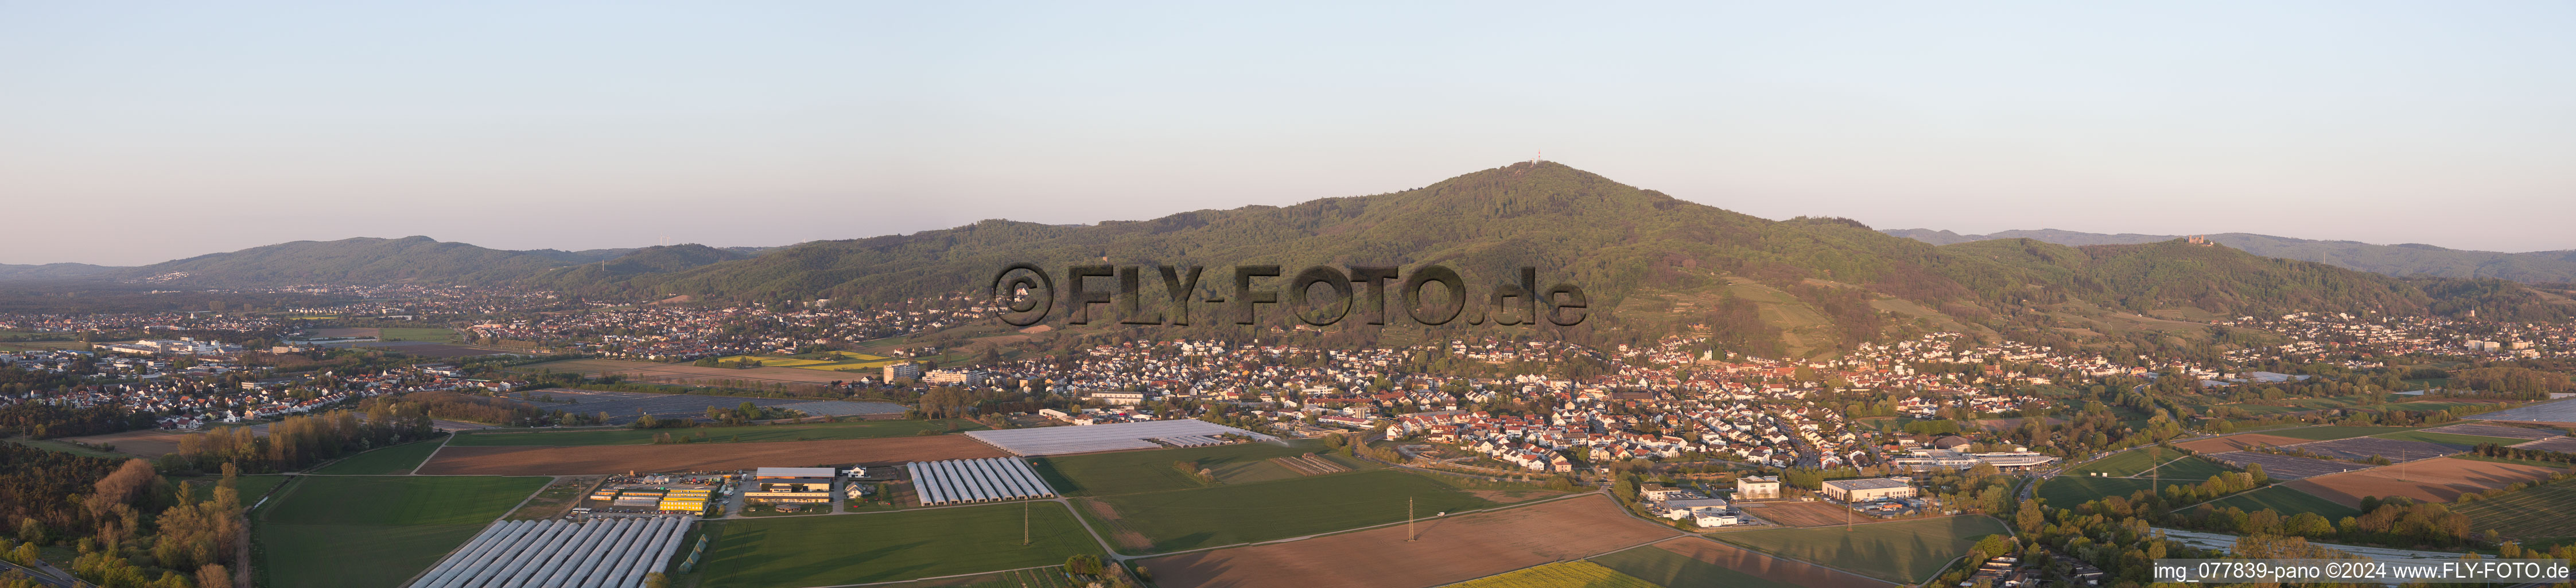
(66,447)
(375,530)
(2451,438)
(1654,564)
(1129,472)
(2329,433)
(441,335)
(1569,574)
(2069,491)
(1225,515)
(2194,469)
(2128,462)
(398,459)
(2287,501)
(2532,515)
(1903,551)
(844,430)
(1051,577)
(878,547)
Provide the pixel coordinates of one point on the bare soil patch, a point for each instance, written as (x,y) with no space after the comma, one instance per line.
(1786,571)
(2436,480)
(1805,514)
(2239,442)
(1128,539)
(701,457)
(1449,549)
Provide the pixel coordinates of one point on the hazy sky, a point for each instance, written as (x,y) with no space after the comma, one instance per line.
(133,133)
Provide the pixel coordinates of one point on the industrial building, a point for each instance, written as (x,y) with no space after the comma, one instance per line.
(608,552)
(792,484)
(1868,489)
(1757,488)
(961,481)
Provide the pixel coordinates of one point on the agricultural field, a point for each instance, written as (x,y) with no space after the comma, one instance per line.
(1572,574)
(2287,501)
(1173,520)
(2328,433)
(702,457)
(2448,438)
(1129,472)
(1804,514)
(1694,561)
(2365,448)
(1902,551)
(2286,467)
(2532,515)
(838,361)
(2239,442)
(746,434)
(2191,469)
(398,459)
(2125,463)
(1047,577)
(439,335)
(681,373)
(366,531)
(2486,430)
(2558,444)
(2431,480)
(787,552)
(1448,549)
(2068,491)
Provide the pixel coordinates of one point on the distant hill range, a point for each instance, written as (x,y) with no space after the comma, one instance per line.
(2408,259)
(1654,265)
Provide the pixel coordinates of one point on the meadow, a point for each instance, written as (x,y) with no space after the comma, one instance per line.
(745,434)
(398,459)
(2069,491)
(1904,551)
(1130,472)
(374,530)
(416,334)
(2451,438)
(877,547)
(2128,462)
(1229,514)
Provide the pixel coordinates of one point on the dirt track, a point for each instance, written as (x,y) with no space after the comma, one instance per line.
(700,457)
(1450,550)
(2437,480)
(2239,442)
(1770,568)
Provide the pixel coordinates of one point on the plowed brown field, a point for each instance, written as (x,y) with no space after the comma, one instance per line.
(2239,442)
(1784,571)
(2436,480)
(1451,549)
(700,457)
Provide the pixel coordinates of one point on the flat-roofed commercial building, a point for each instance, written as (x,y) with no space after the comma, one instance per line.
(1868,489)
(792,484)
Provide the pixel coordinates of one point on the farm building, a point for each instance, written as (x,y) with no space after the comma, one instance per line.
(607,552)
(792,484)
(976,480)
(1868,489)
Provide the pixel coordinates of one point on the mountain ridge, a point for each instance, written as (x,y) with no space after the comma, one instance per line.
(2402,260)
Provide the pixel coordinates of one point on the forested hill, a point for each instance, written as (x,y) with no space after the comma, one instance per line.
(1623,243)
(2411,259)
(365,261)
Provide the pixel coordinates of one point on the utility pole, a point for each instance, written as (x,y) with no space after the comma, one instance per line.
(1024,522)
(1408,519)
